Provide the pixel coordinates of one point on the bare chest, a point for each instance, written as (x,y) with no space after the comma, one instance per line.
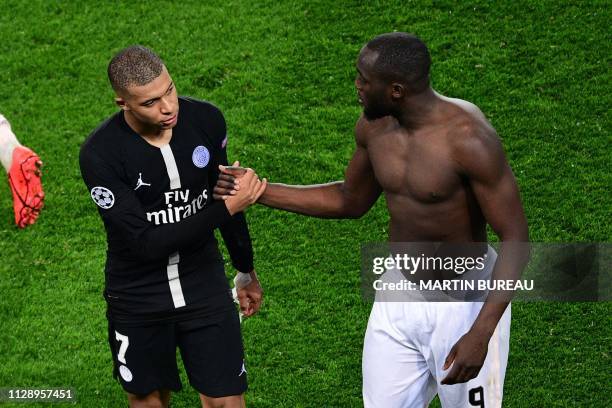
(417,167)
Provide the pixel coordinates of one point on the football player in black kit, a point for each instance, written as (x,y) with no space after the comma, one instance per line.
(151,168)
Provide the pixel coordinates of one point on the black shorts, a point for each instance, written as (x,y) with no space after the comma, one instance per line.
(211,348)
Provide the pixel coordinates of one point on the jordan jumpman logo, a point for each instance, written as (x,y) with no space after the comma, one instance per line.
(141,183)
(243,371)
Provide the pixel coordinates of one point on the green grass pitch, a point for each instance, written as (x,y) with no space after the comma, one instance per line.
(282,72)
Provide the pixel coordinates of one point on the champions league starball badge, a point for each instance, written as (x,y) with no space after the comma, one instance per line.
(200,157)
(103,197)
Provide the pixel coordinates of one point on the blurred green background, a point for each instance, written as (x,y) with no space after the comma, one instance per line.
(283,72)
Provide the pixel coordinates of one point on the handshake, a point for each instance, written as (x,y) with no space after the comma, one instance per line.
(238,187)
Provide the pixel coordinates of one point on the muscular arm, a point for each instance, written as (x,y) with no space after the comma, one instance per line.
(481,159)
(350,198)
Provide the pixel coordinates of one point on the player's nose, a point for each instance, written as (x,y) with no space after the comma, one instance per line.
(165,106)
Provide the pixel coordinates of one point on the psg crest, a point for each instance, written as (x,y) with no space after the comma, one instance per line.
(103,197)
(200,157)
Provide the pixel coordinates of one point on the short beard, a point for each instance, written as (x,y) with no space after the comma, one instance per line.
(373,114)
(378,110)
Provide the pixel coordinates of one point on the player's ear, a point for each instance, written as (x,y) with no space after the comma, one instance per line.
(398,91)
(121,103)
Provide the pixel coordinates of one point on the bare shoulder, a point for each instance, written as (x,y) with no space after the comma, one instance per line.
(467,107)
(366,130)
(472,139)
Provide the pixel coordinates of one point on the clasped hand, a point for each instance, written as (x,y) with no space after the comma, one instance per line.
(238,188)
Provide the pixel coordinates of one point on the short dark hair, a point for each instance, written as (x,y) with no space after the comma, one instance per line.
(402,57)
(134,65)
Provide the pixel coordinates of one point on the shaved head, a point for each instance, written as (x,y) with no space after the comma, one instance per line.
(133,66)
(402,57)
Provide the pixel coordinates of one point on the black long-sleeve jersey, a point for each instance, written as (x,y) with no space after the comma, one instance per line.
(163,262)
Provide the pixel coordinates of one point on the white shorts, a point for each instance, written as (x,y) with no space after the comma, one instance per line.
(404,350)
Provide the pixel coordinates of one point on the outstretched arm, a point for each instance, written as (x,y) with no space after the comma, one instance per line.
(349,198)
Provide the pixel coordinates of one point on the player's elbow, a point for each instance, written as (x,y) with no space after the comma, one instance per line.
(512,229)
(354,211)
(515,240)
(350,206)
(517,232)
(148,254)
(146,248)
